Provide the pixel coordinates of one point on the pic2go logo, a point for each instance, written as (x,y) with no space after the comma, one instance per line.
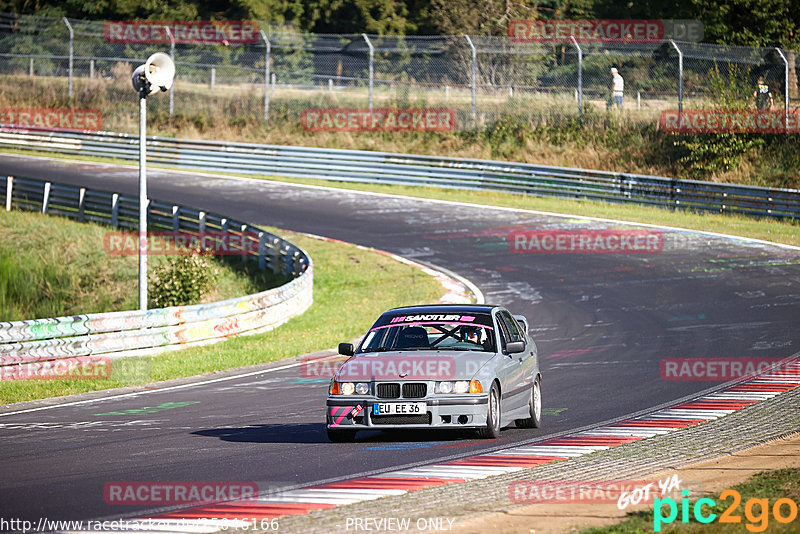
(757,522)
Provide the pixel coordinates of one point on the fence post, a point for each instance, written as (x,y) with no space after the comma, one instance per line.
(71,44)
(474,75)
(201,222)
(9,190)
(82,204)
(176,218)
(91,69)
(245,239)
(115,210)
(46,196)
(30,67)
(213,78)
(172,57)
(266,74)
(580,75)
(786,89)
(680,76)
(371,72)
(262,249)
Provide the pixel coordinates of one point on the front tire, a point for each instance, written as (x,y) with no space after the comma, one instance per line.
(341,436)
(492,428)
(534,408)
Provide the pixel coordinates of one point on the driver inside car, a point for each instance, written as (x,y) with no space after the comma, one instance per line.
(471,334)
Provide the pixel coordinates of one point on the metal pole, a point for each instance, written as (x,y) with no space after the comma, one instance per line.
(172,57)
(371,73)
(71,44)
(580,76)
(143,200)
(266,74)
(680,76)
(474,75)
(786,89)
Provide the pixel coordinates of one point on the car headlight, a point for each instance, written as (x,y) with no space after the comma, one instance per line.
(443,387)
(349,388)
(459,386)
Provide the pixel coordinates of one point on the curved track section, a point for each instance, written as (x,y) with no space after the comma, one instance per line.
(603,322)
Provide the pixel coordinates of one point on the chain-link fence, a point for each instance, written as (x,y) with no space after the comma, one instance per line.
(73,63)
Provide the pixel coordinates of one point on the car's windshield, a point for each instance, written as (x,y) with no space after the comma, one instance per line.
(431,332)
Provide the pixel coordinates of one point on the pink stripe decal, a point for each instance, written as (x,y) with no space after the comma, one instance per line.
(343,414)
(432,322)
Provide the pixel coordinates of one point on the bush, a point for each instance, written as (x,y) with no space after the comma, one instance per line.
(180,281)
(708,153)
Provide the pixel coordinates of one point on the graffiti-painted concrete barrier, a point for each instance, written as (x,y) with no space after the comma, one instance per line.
(129,333)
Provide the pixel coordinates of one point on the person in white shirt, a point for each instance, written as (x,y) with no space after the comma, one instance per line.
(617,87)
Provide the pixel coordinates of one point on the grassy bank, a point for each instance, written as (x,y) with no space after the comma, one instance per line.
(351,287)
(541,130)
(744,515)
(51,266)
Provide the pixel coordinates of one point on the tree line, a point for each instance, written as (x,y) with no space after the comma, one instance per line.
(734,22)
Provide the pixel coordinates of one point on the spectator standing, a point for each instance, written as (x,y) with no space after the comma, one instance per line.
(763,96)
(617,87)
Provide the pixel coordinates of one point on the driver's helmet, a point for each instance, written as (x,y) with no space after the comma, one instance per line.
(471,333)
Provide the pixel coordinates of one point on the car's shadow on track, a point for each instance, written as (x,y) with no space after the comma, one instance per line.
(297,433)
(315,433)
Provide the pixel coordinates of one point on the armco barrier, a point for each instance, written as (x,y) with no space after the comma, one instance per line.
(128,333)
(407,169)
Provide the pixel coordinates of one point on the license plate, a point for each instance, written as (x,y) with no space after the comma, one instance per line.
(399,408)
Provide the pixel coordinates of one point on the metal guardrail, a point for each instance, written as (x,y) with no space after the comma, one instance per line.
(408,169)
(129,333)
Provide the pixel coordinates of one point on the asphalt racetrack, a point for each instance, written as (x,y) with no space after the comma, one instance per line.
(603,324)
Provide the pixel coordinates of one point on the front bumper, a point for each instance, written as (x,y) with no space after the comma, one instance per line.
(453,411)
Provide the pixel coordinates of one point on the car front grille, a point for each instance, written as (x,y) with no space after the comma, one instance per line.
(415,390)
(388,391)
(402,419)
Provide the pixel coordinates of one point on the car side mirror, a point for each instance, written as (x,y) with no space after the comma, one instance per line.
(346,349)
(515,347)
